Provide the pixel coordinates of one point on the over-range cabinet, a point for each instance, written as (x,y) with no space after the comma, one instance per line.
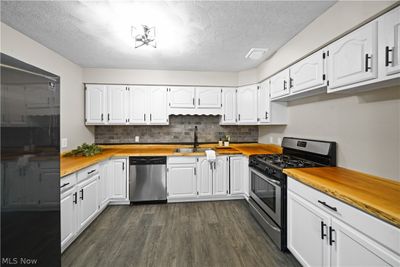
(30,171)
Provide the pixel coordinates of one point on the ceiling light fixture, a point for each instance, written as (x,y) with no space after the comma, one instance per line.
(144,35)
(256,53)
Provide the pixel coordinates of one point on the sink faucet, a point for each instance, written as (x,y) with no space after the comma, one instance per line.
(195,139)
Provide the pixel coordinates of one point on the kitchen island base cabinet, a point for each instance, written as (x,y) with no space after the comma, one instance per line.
(334,235)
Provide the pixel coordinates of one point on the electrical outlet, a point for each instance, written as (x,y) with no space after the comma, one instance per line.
(64,142)
(137,139)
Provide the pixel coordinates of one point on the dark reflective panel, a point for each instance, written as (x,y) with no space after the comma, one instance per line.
(265,191)
(30,171)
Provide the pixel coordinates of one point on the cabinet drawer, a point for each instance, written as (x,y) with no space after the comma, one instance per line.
(181,160)
(382,232)
(67,182)
(88,172)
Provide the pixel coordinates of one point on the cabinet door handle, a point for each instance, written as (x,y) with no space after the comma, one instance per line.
(290,82)
(75,198)
(239,117)
(193,101)
(102,117)
(64,185)
(323,234)
(194,171)
(331,241)
(144,116)
(108,116)
(224,117)
(284,84)
(150,116)
(81,193)
(326,205)
(198,101)
(266,114)
(123,166)
(387,61)
(367,60)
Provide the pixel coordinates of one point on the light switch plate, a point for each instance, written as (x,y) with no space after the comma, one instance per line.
(64,142)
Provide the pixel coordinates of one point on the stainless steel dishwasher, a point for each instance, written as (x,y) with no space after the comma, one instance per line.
(147,179)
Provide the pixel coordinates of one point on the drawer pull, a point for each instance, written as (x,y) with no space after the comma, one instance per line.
(92,171)
(326,205)
(64,185)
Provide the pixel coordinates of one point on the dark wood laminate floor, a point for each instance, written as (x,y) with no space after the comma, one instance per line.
(220,233)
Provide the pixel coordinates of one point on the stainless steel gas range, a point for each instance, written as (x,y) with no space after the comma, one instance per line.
(268,190)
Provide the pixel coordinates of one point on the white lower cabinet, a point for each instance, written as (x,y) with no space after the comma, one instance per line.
(68,216)
(86,193)
(221,176)
(181,180)
(237,175)
(336,234)
(205,177)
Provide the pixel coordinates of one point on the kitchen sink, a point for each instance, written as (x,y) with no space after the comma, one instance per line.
(191,150)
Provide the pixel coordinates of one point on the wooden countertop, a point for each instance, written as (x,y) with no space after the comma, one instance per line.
(72,164)
(377,196)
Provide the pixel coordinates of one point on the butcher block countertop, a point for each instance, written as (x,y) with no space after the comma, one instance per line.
(72,164)
(377,196)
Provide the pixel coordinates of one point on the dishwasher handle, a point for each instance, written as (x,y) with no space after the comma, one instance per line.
(147,160)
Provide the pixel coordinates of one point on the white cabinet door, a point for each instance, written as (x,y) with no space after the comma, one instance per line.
(119,178)
(204,177)
(308,73)
(117,100)
(307,228)
(220,176)
(352,248)
(353,58)
(182,97)
(181,181)
(237,175)
(68,216)
(229,106)
(208,97)
(95,104)
(138,103)
(247,104)
(103,182)
(389,41)
(158,106)
(263,103)
(88,207)
(279,84)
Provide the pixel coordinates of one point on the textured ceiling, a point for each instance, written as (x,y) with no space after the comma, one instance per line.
(191,35)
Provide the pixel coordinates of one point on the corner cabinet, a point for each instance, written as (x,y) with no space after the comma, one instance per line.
(247,105)
(353,58)
(323,231)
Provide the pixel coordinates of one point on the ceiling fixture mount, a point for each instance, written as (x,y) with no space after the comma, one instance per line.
(144,35)
(256,53)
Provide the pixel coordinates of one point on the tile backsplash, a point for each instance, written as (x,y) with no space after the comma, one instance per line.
(179,130)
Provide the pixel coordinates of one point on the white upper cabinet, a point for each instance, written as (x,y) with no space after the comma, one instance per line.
(208,97)
(117,100)
(263,103)
(228,106)
(247,104)
(138,101)
(308,73)
(280,84)
(158,106)
(389,42)
(182,97)
(95,104)
(353,58)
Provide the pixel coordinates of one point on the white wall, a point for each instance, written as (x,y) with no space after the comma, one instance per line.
(17,45)
(159,77)
(365,126)
(338,19)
